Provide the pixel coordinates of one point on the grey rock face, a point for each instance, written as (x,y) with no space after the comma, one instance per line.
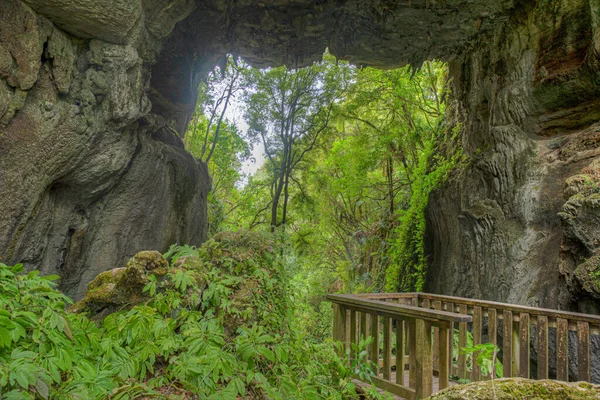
(109,20)
(529,96)
(88,175)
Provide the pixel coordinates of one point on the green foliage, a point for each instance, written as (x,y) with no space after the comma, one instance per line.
(219,325)
(216,140)
(289,111)
(436,157)
(486,358)
(355,204)
(407,272)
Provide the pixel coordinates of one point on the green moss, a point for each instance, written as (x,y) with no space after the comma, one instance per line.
(519,388)
(104,278)
(122,286)
(148,261)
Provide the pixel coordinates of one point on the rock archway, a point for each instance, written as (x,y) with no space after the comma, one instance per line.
(95,95)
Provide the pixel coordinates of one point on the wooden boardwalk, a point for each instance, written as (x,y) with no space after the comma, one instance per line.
(428,330)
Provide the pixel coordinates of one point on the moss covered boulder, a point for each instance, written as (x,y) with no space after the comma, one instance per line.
(236,276)
(122,287)
(520,389)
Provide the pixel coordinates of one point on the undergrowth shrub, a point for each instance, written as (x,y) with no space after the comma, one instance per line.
(217,325)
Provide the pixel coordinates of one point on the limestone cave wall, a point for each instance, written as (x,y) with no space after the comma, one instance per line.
(521,222)
(89,175)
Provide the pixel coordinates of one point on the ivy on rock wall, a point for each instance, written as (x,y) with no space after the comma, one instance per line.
(409,267)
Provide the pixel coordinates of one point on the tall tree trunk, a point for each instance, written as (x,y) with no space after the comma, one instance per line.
(390,178)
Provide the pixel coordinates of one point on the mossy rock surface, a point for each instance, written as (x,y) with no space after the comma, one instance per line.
(121,287)
(520,389)
(588,275)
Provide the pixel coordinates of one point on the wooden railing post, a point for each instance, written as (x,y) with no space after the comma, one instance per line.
(452,368)
(339,325)
(445,338)
(562,349)
(365,320)
(412,352)
(477,328)
(437,305)
(374,353)
(424,358)
(387,348)
(492,333)
(583,351)
(507,343)
(524,345)
(462,343)
(542,332)
(400,352)
(353,332)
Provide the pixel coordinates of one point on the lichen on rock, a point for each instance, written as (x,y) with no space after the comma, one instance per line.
(519,388)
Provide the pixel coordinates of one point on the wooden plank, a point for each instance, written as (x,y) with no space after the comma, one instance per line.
(424,367)
(583,351)
(347,338)
(492,334)
(449,307)
(412,352)
(353,326)
(462,343)
(437,305)
(395,310)
(507,344)
(387,348)
(492,326)
(365,321)
(515,348)
(445,337)
(339,325)
(400,352)
(542,350)
(374,346)
(377,296)
(551,314)
(524,345)
(477,333)
(402,391)
(562,349)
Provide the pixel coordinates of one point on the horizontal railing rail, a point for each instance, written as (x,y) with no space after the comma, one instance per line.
(592,319)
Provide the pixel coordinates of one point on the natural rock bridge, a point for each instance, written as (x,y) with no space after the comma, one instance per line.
(95,95)
(415,335)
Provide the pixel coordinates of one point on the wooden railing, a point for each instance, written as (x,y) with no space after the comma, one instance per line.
(414,347)
(409,316)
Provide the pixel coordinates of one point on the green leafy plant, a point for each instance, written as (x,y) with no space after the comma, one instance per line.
(217,325)
(485,356)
